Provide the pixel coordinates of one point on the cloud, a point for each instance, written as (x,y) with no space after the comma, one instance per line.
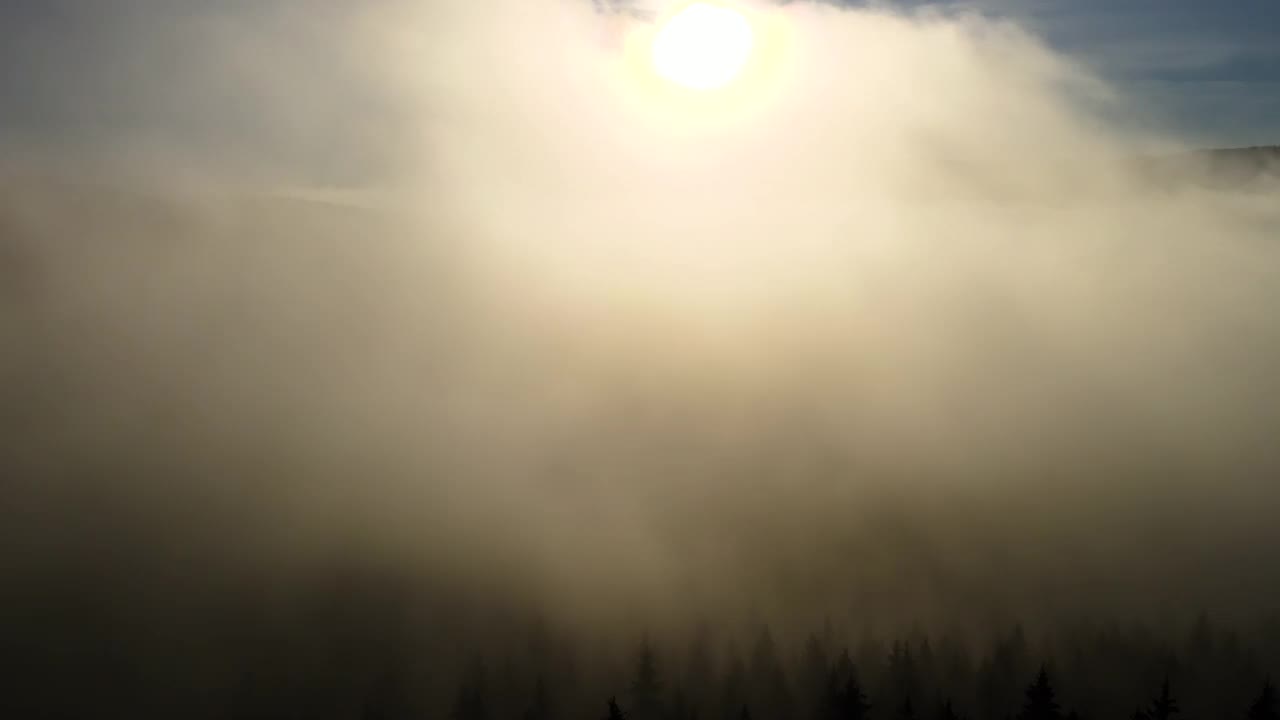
(901,322)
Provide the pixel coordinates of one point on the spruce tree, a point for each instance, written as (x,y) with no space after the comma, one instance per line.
(814,677)
(1040,703)
(699,671)
(733,689)
(902,672)
(615,712)
(1164,706)
(646,687)
(845,698)
(768,690)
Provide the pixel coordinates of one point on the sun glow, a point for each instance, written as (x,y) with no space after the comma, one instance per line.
(704,46)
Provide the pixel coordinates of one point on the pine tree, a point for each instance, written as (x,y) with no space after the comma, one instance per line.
(767,685)
(947,711)
(955,666)
(646,688)
(1040,703)
(906,711)
(733,690)
(813,678)
(699,673)
(997,685)
(926,670)
(615,712)
(1264,707)
(841,669)
(846,700)
(1163,707)
(902,671)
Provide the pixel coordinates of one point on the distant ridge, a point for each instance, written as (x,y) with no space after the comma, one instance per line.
(1244,164)
(1238,167)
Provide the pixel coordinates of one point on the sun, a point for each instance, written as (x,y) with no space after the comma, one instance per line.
(704,46)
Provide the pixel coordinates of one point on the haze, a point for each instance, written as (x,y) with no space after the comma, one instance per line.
(904,330)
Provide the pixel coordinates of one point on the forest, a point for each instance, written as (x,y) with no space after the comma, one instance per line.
(1085,671)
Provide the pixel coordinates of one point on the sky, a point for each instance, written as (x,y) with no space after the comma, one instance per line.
(1211,68)
(78,75)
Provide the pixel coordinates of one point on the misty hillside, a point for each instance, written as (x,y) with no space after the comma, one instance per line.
(279,454)
(1242,167)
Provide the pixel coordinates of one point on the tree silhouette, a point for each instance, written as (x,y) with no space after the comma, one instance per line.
(814,677)
(841,670)
(767,686)
(1040,703)
(1163,706)
(845,698)
(926,666)
(615,712)
(997,689)
(903,674)
(1102,665)
(955,666)
(1264,707)
(699,677)
(646,687)
(734,689)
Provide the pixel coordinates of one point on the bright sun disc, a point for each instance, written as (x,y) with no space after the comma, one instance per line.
(703,47)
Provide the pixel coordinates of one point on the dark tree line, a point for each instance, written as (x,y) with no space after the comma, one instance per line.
(918,678)
(844,699)
(384,656)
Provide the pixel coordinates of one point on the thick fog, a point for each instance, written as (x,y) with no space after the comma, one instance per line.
(901,328)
